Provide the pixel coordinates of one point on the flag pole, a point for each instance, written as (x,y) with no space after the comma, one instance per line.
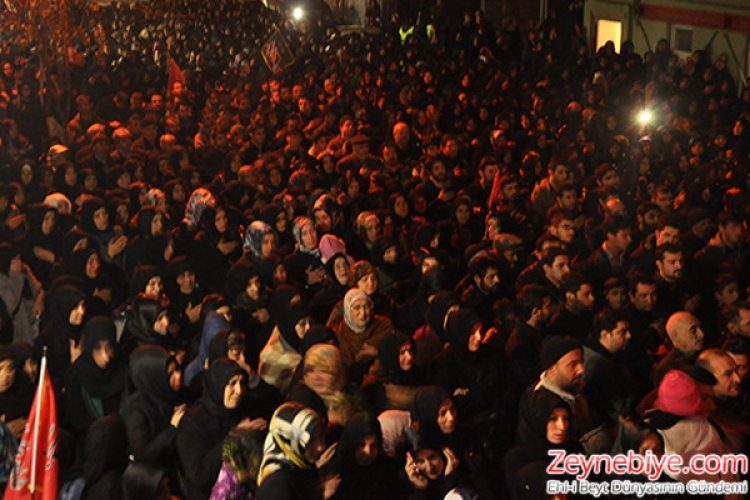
(35,444)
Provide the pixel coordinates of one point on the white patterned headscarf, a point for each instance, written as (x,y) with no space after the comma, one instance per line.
(289,432)
(199,200)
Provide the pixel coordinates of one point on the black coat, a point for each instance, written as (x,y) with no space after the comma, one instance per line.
(288,484)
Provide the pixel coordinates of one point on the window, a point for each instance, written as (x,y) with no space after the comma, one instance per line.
(608,30)
(682,39)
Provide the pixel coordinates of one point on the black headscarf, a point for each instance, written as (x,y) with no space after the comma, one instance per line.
(16,401)
(143,219)
(356,429)
(223,341)
(388,355)
(278,302)
(427,401)
(238,277)
(76,263)
(460,325)
(141,319)
(86,214)
(102,383)
(293,313)
(141,276)
(216,379)
(149,372)
(441,302)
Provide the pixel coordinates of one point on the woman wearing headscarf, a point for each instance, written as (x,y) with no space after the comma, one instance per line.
(360,333)
(61,328)
(469,369)
(304,266)
(295,441)
(386,255)
(176,192)
(324,378)
(199,200)
(545,423)
(432,406)
(103,292)
(241,455)
(20,292)
(42,244)
(215,247)
(338,269)
(231,343)
(273,271)
(260,242)
(148,280)
(281,356)
(16,393)
(147,323)
(93,218)
(97,383)
(66,180)
(153,413)
(364,470)
(245,290)
(149,223)
(431,467)
(275,216)
(404,224)
(391,386)
(207,422)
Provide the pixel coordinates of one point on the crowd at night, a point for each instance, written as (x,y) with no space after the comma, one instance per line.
(268,258)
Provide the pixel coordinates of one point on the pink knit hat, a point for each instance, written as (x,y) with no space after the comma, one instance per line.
(679,395)
(330,245)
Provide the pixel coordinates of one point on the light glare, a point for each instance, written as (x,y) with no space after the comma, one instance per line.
(297,13)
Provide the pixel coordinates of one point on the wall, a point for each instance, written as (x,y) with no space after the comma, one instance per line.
(654,19)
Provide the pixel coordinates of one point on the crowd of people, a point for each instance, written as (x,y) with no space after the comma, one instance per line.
(403,264)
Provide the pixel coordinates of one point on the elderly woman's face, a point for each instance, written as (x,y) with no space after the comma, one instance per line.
(361,312)
(309,236)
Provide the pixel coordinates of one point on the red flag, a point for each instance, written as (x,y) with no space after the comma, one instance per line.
(175,73)
(35,473)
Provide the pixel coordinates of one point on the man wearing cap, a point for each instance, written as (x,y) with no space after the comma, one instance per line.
(359,161)
(561,358)
(685,333)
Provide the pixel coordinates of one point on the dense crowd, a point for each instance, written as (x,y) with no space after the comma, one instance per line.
(403,264)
